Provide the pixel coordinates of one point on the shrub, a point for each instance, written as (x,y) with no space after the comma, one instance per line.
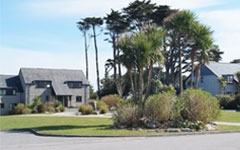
(101,104)
(224,100)
(160,107)
(50,104)
(61,108)
(86,109)
(235,104)
(37,101)
(50,108)
(127,115)
(57,103)
(199,105)
(103,109)
(35,110)
(19,108)
(41,108)
(11,111)
(112,100)
(26,110)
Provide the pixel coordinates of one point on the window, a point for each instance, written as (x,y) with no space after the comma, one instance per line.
(12,106)
(79,99)
(230,79)
(5,91)
(2,105)
(43,84)
(74,84)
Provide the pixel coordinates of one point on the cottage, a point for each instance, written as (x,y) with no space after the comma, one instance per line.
(209,74)
(70,87)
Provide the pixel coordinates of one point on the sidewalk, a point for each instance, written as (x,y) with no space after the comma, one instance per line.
(227,123)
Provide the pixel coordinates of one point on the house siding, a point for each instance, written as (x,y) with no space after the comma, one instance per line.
(7,100)
(210,83)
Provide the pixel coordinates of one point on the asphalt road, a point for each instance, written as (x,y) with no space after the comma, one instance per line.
(27,141)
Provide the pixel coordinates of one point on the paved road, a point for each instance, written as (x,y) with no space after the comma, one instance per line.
(27,141)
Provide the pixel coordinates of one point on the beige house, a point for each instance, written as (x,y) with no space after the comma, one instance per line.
(68,86)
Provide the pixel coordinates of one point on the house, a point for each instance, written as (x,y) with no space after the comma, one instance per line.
(70,87)
(209,74)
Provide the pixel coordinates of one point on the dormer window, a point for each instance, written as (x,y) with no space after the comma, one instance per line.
(229,78)
(43,84)
(74,84)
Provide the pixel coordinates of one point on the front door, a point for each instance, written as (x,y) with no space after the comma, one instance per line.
(63,100)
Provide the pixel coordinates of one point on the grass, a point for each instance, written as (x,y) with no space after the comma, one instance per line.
(88,126)
(228,116)
(65,125)
(226,128)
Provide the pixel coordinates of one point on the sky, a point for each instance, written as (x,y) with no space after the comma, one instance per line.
(43,33)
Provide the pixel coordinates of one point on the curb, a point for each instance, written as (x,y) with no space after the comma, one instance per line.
(118,136)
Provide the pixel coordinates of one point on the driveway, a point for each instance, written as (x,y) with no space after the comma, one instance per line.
(27,141)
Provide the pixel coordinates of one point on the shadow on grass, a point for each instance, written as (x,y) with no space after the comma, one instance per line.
(69,127)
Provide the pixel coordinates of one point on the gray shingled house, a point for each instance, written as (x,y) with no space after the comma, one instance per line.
(209,74)
(68,86)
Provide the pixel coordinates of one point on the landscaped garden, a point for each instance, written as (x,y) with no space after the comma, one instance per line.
(192,111)
(86,126)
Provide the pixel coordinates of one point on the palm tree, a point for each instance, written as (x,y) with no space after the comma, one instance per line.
(93,21)
(180,24)
(155,35)
(238,77)
(204,43)
(223,82)
(84,27)
(116,25)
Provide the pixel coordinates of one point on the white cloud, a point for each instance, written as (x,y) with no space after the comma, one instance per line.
(226,30)
(13,59)
(60,8)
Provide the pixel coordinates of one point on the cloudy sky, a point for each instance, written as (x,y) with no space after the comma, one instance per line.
(43,33)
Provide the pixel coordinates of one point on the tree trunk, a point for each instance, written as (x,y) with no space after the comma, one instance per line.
(193,67)
(148,83)
(132,86)
(180,68)
(197,75)
(86,53)
(114,58)
(96,51)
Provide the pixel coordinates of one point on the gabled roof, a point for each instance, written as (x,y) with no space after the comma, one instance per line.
(220,69)
(10,81)
(58,77)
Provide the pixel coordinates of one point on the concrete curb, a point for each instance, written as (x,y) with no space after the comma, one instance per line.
(118,136)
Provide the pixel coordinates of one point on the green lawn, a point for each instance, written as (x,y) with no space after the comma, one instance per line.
(65,125)
(87,126)
(228,116)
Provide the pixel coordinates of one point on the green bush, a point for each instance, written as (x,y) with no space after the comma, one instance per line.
(101,104)
(42,108)
(19,108)
(112,100)
(61,108)
(26,110)
(224,100)
(103,109)
(127,116)
(57,103)
(199,105)
(50,108)
(235,104)
(37,101)
(86,109)
(160,107)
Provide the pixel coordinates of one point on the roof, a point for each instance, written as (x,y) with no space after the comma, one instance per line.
(220,69)
(58,77)
(10,81)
